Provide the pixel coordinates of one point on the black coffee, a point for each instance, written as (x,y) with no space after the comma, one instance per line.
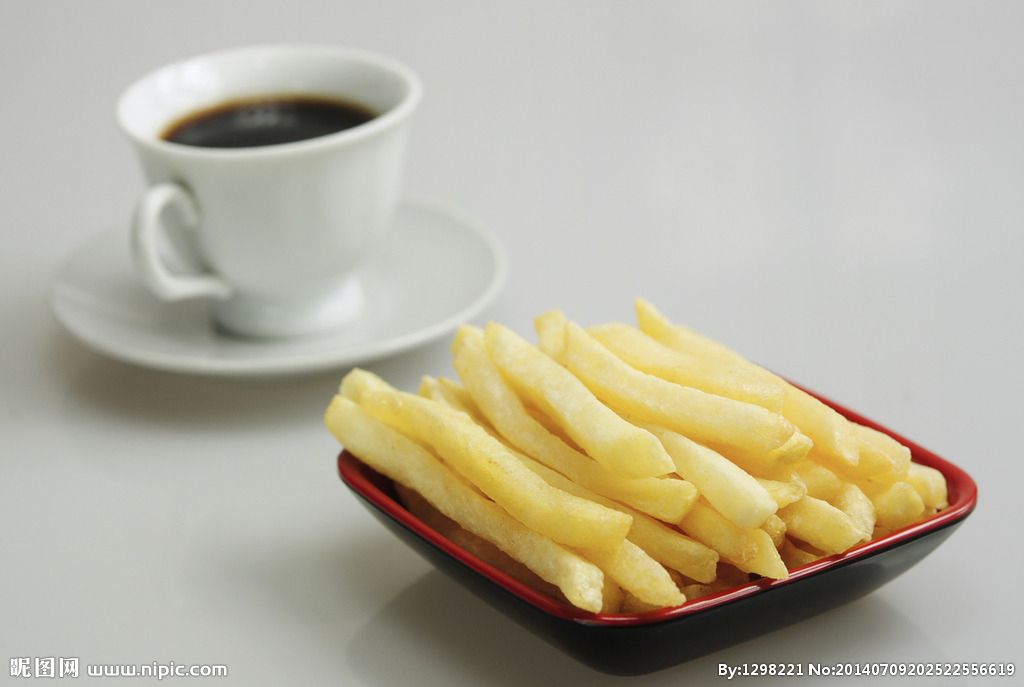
(266,121)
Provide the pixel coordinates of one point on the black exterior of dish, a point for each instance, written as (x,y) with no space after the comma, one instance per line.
(646,648)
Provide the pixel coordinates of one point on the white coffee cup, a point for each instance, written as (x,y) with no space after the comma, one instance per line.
(272,232)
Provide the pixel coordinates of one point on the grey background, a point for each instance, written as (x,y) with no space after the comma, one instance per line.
(835,189)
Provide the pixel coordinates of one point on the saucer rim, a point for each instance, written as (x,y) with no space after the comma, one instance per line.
(285,363)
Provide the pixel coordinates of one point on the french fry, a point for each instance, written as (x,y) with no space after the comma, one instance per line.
(619,446)
(612,597)
(713,530)
(855,503)
(679,338)
(767,558)
(691,412)
(554,463)
(550,328)
(775,528)
(820,524)
(879,459)
(821,482)
(452,395)
(897,506)
(648,355)
(490,466)
(673,549)
(796,557)
(929,484)
(882,460)
(885,455)
(629,566)
(766,465)
(730,490)
(553,429)
(750,550)
(731,576)
(784,493)
(634,606)
(637,573)
(664,544)
(457,392)
(830,431)
(699,591)
(478,546)
(394,455)
(665,499)
(679,578)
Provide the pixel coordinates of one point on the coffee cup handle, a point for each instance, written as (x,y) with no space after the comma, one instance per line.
(148,229)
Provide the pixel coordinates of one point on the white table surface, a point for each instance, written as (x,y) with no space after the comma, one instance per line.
(836,189)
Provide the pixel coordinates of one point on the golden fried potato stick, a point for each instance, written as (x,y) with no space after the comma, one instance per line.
(767,557)
(776,529)
(831,433)
(882,459)
(679,578)
(749,550)
(731,575)
(820,524)
(730,490)
(784,493)
(453,389)
(762,465)
(637,573)
(452,395)
(494,398)
(930,485)
(396,456)
(691,412)
(612,597)
(821,482)
(634,606)
(721,378)
(662,543)
(858,507)
(478,546)
(550,328)
(897,506)
(795,557)
(699,591)
(489,465)
(886,460)
(679,338)
(628,565)
(829,430)
(619,446)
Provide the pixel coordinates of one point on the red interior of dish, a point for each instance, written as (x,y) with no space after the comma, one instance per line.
(963,495)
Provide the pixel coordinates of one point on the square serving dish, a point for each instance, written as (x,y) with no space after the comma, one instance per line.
(635,644)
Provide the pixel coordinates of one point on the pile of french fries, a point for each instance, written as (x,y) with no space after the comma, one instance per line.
(626,468)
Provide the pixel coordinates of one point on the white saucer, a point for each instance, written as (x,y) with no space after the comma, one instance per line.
(434,271)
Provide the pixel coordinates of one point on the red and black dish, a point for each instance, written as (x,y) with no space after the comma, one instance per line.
(626,644)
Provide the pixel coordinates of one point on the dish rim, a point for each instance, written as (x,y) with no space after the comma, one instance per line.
(963,493)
